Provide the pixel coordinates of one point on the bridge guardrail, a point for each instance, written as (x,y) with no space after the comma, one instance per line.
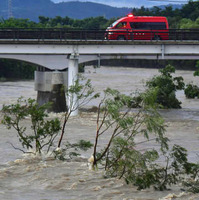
(74,34)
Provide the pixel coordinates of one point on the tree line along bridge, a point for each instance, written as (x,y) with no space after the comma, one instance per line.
(58,52)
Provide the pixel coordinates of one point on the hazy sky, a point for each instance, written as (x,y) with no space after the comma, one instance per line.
(129,3)
(119,3)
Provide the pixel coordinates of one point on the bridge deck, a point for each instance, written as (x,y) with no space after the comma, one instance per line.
(99,42)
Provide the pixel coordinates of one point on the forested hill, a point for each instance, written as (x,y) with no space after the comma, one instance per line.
(33,8)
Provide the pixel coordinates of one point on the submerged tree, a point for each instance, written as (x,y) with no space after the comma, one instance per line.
(78,95)
(137,142)
(41,133)
(115,117)
(166,86)
(191,90)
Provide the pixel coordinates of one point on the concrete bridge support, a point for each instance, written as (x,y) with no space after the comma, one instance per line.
(72,77)
(51,88)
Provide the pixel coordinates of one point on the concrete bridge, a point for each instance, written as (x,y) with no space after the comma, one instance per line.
(59,55)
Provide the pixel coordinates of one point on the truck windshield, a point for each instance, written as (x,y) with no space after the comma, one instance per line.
(113,24)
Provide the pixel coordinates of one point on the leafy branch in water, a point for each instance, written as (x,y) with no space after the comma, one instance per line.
(75,148)
(196,73)
(78,95)
(114,114)
(166,87)
(146,172)
(137,143)
(42,132)
(192,91)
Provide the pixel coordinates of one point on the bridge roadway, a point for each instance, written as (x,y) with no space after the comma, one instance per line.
(62,54)
(55,54)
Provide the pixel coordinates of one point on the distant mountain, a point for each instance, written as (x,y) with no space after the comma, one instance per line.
(174,6)
(33,8)
(131,3)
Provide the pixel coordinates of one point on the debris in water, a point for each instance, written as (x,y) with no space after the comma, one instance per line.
(90,162)
(171,196)
(97,188)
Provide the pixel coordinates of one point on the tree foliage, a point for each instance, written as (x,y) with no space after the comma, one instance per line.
(187,15)
(78,95)
(137,143)
(114,115)
(72,150)
(12,69)
(189,24)
(191,90)
(166,86)
(42,132)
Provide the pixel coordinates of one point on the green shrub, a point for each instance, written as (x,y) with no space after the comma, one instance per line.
(127,153)
(191,91)
(42,132)
(141,168)
(167,87)
(72,150)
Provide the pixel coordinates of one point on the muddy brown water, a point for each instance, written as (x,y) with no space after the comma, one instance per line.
(26,177)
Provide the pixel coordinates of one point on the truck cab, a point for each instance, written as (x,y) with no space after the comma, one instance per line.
(138,28)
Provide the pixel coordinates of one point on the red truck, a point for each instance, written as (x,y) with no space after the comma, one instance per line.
(138,28)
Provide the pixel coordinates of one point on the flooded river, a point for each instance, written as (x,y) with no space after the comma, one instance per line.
(23,177)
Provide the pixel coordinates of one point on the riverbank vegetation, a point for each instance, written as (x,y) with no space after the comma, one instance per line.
(16,70)
(184,17)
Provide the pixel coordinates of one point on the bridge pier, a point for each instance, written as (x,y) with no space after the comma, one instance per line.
(50,86)
(72,77)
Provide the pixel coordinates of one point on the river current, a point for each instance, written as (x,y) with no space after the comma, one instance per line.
(27,177)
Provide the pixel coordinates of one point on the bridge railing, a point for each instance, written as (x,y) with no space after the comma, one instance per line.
(56,34)
(73,34)
(184,34)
